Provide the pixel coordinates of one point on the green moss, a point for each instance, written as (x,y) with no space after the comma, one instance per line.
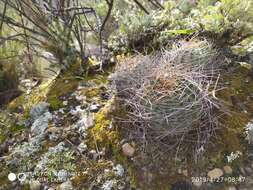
(101,134)
(16,128)
(26,101)
(58,89)
(54,102)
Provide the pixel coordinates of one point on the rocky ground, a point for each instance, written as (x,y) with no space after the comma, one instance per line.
(68,140)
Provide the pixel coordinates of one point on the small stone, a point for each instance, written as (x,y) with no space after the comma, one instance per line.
(128,150)
(110,184)
(94,107)
(197,183)
(185,172)
(53,129)
(82,147)
(66,186)
(228,170)
(41,123)
(118,170)
(231,188)
(35,185)
(215,173)
(65,103)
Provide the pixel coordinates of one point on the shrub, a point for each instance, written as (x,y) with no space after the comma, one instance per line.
(170,97)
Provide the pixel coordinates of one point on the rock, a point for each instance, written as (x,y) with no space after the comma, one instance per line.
(118,170)
(249,131)
(35,185)
(86,122)
(58,148)
(66,186)
(36,140)
(65,103)
(215,173)
(38,110)
(54,133)
(110,184)
(82,147)
(128,150)
(231,188)
(197,183)
(94,107)
(227,169)
(185,172)
(41,123)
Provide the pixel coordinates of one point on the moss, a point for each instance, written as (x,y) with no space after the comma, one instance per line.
(54,102)
(16,128)
(26,101)
(100,134)
(58,89)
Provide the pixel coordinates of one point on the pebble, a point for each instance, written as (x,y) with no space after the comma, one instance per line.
(94,107)
(66,186)
(35,185)
(197,183)
(82,147)
(185,172)
(65,103)
(118,170)
(227,169)
(231,188)
(215,173)
(128,150)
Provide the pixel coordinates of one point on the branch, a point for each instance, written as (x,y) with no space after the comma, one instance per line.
(4,12)
(141,6)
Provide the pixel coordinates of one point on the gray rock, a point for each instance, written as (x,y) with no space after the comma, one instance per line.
(36,140)
(118,170)
(66,186)
(94,107)
(110,184)
(77,111)
(41,123)
(58,148)
(82,147)
(249,132)
(35,185)
(38,110)
(84,123)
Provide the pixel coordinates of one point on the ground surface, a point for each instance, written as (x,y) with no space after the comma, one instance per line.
(63,136)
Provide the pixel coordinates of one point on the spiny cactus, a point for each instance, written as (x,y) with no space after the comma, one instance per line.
(170,97)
